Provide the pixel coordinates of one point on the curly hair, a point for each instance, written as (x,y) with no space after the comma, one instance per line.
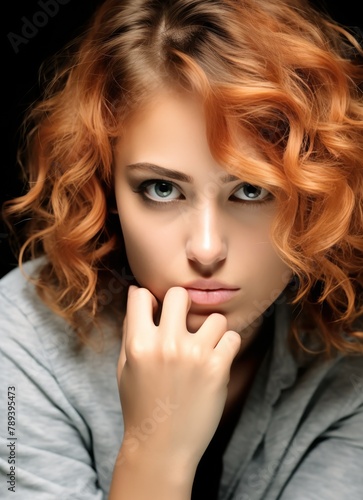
(281,72)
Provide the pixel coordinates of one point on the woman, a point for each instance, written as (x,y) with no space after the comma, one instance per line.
(195,189)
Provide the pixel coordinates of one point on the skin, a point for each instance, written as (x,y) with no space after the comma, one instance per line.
(177,356)
(203,235)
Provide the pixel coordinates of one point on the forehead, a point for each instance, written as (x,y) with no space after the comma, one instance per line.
(172,126)
(169,113)
(169,129)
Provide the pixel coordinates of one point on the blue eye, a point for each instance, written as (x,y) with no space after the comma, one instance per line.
(159,191)
(248,192)
(162,192)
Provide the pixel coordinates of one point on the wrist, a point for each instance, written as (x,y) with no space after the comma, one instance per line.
(179,468)
(141,475)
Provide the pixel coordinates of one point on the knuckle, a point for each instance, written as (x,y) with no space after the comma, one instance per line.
(219,371)
(169,351)
(215,375)
(215,365)
(196,353)
(138,350)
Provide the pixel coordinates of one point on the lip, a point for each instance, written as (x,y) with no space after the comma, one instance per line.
(205,284)
(210,292)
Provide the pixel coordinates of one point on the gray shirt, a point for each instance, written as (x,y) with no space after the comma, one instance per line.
(300,434)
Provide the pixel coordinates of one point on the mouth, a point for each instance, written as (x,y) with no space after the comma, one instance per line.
(208,292)
(211,297)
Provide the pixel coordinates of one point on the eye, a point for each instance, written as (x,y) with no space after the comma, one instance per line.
(159,191)
(248,192)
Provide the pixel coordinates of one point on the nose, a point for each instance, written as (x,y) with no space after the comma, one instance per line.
(206,244)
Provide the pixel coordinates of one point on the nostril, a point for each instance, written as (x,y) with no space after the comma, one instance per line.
(206,255)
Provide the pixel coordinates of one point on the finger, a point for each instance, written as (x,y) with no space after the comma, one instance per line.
(141,306)
(212,330)
(229,346)
(122,357)
(175,307)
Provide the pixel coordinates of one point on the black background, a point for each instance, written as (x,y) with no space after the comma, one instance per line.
(20,66)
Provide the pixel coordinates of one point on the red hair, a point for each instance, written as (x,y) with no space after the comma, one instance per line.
(278,71)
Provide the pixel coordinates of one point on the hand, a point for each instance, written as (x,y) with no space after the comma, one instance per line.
(173,384)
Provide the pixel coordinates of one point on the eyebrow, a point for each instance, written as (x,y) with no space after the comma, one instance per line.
(174,174)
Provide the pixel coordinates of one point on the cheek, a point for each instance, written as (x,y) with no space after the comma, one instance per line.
(260,262)
(148,248)
(273,274)
(251,244)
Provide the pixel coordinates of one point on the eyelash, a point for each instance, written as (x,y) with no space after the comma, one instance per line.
(141,190)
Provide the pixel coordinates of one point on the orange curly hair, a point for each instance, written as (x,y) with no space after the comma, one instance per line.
(279,71)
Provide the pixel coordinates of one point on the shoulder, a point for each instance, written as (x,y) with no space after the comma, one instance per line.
(324,401)
(53,382)
(23,315)
(18,293)
(331,388)
(41,345)
(27,322)
(328,388)
(30,333)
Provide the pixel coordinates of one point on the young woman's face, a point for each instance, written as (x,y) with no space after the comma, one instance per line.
(187,223)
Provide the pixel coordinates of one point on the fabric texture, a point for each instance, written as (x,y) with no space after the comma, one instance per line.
(300,434)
